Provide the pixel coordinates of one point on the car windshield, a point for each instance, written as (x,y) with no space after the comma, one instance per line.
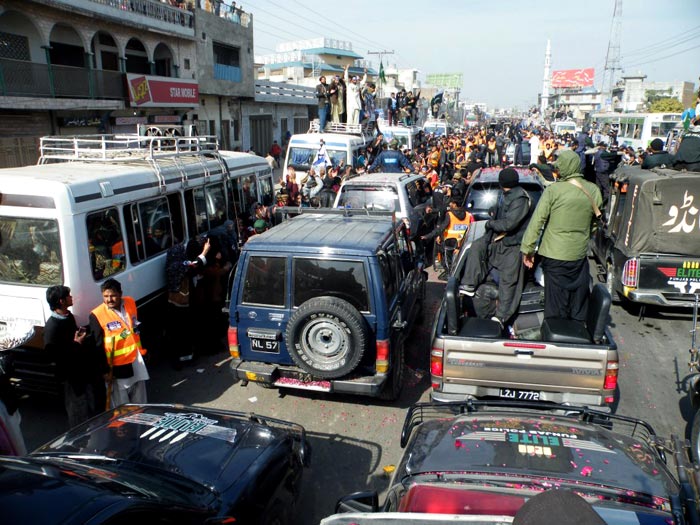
(301,158)
(370,197)
(539,450)
(30,251)
(435,130)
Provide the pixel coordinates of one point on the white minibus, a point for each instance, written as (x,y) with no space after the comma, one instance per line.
(110,206)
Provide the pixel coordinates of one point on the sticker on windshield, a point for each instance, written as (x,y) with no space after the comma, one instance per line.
(174,427)
(534,442)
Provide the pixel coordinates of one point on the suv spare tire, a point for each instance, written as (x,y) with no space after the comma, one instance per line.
(326,337)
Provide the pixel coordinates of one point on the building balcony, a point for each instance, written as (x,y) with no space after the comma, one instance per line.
(153,14)
(29,79)
(224,72)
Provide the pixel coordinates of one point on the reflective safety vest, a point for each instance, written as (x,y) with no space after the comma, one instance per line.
(126,342)
(457,227)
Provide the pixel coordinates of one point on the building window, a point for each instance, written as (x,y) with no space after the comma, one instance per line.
(227,63)
(15,47)
(187,63)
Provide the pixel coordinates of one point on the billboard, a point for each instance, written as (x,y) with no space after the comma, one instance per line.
(445,80)
(150,91)
(564,78)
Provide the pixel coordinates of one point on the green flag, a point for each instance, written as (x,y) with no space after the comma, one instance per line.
(382,77)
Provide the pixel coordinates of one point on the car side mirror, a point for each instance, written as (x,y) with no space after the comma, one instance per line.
(358,502)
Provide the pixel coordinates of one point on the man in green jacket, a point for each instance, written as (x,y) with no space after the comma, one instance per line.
(566,213)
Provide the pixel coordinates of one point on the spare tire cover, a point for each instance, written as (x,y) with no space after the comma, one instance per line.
(326,337)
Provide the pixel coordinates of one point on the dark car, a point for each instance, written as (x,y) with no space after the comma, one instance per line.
(160,464)
(484,191)
(325,302)
(491,458)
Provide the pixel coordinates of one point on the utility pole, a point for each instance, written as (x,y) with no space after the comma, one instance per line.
(545,82)
(612,58)
(381,56)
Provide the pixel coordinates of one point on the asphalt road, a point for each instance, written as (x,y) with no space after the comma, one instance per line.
(354,438)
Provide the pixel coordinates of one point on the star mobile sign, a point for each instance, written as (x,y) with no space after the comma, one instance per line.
(147,91)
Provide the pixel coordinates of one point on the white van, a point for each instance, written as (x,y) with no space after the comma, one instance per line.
(343,143)
(408,136)
(560,127)
(437,127)
(110,206)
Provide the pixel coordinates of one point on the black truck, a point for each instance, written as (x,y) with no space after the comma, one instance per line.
(649,247)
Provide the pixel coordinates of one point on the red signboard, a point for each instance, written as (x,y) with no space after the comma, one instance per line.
(564,78)
(158,92)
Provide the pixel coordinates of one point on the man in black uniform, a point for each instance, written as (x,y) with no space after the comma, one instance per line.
(391,160)
(499,248)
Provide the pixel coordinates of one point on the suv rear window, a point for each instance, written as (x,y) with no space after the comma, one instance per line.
(265,281)
(382,198)
(343,279)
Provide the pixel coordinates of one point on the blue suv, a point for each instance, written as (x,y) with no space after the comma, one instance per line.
(325,301)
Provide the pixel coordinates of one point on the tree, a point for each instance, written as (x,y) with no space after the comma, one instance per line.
(666,105)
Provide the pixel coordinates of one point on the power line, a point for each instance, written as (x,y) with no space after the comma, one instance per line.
(690,34)
(663,57)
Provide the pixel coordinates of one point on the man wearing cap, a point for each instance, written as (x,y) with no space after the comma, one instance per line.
(391,160)
(354,97)
(658,158)
(499,249)
(565,220)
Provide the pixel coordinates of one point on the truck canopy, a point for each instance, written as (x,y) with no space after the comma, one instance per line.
(660,214)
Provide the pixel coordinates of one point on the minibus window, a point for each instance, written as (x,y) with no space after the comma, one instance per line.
(157,230)
(266,191)
(30,251)
(105,243)
(216,205)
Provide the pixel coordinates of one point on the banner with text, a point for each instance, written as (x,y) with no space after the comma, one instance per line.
(564,78)
(157,92)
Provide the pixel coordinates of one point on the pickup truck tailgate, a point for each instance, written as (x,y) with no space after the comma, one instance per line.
(524,365)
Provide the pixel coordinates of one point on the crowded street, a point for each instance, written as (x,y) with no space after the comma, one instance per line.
(282,264)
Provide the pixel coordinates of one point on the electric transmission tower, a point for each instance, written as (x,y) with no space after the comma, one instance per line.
(612,58)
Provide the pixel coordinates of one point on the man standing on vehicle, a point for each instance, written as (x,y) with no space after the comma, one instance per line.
(565,218)
(354,97)
(391,160)
(324,103)
(658,158)
(78,364)
(499,248)
(115,331)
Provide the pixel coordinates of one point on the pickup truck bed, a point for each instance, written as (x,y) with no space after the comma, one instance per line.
(556,361)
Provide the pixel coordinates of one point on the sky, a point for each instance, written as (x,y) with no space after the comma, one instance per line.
(498,45)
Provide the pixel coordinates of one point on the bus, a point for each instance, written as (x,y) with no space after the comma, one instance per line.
(637,130)
(110,206)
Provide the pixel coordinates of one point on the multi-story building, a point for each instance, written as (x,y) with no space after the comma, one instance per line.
(77,67)
(91,66)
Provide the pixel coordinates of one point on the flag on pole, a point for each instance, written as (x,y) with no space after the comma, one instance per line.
(382,77)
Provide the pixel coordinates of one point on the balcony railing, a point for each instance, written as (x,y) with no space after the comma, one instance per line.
(224,72)
(154,9)
(30,79)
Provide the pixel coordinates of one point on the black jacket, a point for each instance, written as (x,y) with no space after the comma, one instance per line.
(512,216)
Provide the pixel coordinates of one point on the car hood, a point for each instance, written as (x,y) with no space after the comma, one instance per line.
(208,447)
(551,449)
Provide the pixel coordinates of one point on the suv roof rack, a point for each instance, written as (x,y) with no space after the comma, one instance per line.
(365,130)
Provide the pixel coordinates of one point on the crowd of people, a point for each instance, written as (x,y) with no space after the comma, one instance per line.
(104,363)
